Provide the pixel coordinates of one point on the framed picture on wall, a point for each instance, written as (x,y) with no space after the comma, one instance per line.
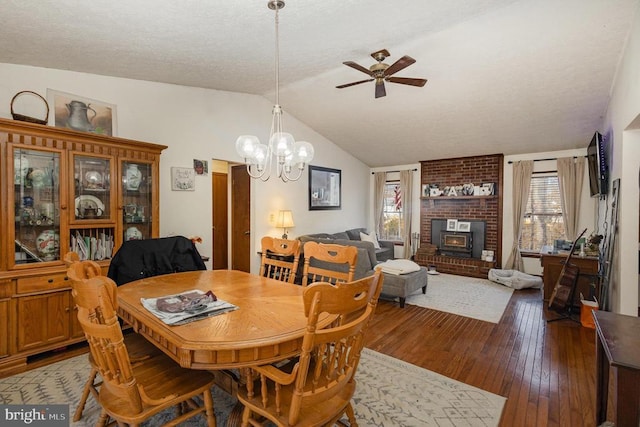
(452,225)
(183,179)
(324,188)
(83,114)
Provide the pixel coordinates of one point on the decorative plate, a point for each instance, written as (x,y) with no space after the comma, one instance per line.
(94,179)
(88,202)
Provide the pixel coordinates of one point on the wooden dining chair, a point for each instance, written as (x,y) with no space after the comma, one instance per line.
(319,388)
(325,262)
(280,258)
(132,390)
(139,348)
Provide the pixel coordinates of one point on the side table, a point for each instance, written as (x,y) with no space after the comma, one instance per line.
(617,346)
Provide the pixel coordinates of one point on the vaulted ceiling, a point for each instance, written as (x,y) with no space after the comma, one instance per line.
(504,76)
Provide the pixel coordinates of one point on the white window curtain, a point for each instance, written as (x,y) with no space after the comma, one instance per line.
(570,180)
(406,186)
(379,179)
(522,171)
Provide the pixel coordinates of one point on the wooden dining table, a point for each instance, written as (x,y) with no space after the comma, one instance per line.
(267,326)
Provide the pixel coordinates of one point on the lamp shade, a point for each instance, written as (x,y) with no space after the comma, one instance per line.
(285,219)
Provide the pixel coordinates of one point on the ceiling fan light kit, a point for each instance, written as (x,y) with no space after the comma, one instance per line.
(382,72)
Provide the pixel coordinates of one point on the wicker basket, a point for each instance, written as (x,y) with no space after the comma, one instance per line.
(24,118)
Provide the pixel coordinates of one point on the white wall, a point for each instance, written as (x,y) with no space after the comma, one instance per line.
(620,126)
(587,217)
(415,215)
(204,124)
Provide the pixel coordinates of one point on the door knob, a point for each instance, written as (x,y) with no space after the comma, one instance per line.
(246,233)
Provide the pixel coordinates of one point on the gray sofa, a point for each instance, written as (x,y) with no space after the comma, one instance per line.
(368,257)
(353,235)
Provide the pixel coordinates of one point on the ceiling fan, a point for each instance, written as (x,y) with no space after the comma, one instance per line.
(382,72)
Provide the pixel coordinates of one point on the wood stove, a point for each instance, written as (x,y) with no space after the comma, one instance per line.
(456,243)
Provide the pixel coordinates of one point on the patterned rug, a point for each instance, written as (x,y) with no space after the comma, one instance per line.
(465,296)
(390,392)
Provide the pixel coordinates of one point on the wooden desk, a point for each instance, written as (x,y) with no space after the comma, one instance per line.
(618,346)
(268,325)
(588,271)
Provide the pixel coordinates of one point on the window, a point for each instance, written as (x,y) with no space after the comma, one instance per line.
(392,216)
(543,221)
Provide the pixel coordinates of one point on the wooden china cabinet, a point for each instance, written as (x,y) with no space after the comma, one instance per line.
(60,191)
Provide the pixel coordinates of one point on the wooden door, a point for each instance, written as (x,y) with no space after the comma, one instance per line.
(220,232)
(240,219)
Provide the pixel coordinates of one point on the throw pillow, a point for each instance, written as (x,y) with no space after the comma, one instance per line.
(370,238)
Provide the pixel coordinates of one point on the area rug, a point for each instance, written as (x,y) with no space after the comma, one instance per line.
(390,392)
(465,296)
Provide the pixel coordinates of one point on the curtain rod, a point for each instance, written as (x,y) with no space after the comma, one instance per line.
(544,160)
(415,169)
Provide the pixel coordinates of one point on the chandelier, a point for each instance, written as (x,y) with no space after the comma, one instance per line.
(290,157)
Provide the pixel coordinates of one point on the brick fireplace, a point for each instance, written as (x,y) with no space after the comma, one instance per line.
(473,209)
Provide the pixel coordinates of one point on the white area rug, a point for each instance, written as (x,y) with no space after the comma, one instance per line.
(465,296)
(390,392)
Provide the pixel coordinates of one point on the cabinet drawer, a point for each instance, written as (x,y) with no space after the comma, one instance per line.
(42,283)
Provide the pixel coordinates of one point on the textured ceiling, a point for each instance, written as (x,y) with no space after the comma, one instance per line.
(504,76)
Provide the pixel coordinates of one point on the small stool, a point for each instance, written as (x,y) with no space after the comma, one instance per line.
(403,285)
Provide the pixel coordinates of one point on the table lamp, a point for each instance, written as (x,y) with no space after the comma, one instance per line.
(284,221)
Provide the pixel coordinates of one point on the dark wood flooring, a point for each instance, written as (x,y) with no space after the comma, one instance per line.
(545,370)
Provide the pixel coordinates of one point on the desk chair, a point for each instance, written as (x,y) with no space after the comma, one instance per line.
(132,391)
(280,258)
(328,263)
(319,388)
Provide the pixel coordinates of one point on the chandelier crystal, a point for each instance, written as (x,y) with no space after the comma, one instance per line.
(290,156)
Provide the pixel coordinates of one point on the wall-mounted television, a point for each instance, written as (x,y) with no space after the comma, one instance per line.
(598,167)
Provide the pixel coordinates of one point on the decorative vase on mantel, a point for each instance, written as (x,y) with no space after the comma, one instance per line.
(133,177)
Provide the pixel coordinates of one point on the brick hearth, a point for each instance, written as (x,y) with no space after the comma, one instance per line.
(454,172)
(455,265)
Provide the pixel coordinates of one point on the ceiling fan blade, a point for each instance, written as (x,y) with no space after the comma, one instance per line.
(354,83)
(357,67)
(407,81)
(380,90)
(400,64)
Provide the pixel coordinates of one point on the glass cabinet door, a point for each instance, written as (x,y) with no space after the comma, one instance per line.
(93,224)
(92,183)
(137,199)
(36,201)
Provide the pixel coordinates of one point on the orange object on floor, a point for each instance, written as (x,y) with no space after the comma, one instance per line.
(586,308)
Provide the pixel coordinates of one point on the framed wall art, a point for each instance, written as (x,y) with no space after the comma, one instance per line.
(82,114)
(183,179)
(201,167)
(324,188)
(464,226)
(452,225)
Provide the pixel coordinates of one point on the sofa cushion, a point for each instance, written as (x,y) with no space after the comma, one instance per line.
(370,238)
(354,233)
(342,235)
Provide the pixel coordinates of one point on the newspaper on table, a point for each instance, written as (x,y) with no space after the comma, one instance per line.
(186,307)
